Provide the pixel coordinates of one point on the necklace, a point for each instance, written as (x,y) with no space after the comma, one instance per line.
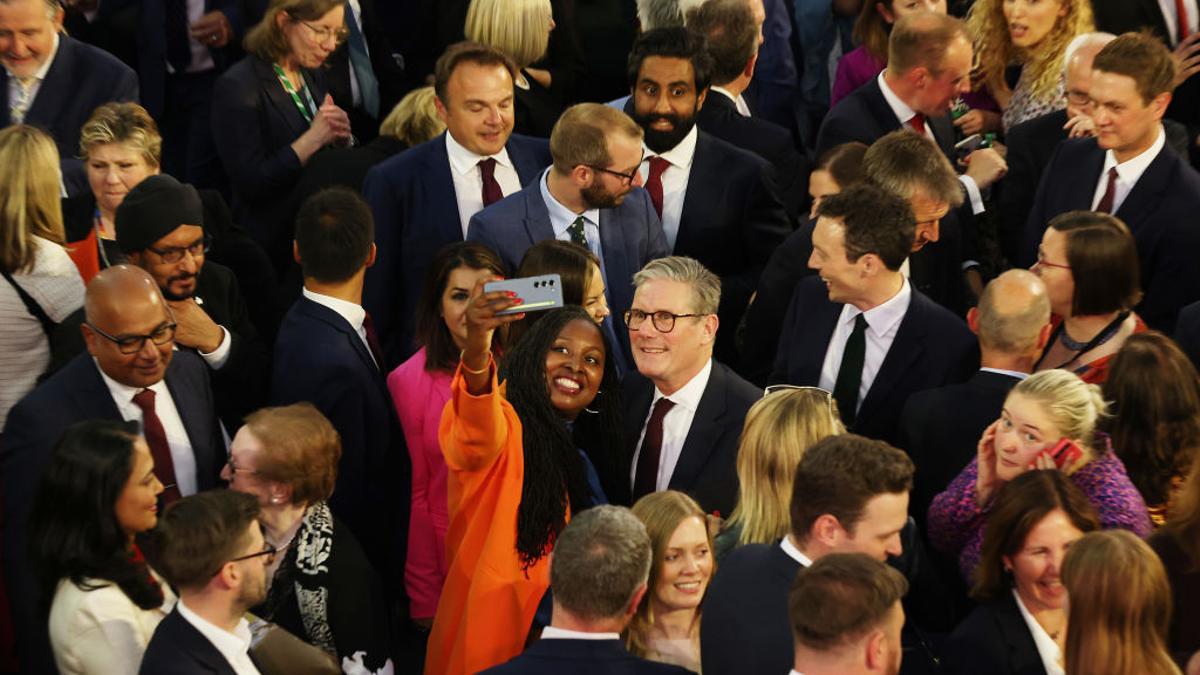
(1103,336)
(1069,342)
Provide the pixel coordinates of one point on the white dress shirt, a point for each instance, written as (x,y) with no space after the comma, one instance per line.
(1172,20)
(352,313)
(553,633)
(201,56)
(883,321)
(468,179)
(676,424)
(235,646)
(1128,172)
(219,356)
(793,552)
(1046,646)
(14,86)
(905,114)
(674,181)
(739,101)
(561,219)
(182,456)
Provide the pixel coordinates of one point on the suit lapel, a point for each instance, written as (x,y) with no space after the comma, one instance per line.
(1082,191)
(706,425)
(528,167)
(906,349)
(1023,655)
(537,215)
(55,89)
(1142,201)
(443,200)
(943,134)
(90,394)
(880,110)
(814,342)
(694,199)
(198,425)
(281,101)
(319,312)
(639,392)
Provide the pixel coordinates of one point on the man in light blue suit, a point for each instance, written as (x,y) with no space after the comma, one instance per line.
(592,196)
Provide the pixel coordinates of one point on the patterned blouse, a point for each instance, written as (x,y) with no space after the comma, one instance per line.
(1024,106)
(956,520)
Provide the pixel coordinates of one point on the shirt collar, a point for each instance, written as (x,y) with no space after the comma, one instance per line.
(793,552)
(689,395)
(681,155)
(1001,371)
(738,101)
(123,393)
(882,318)
(561,217)
(555,633)
(1132,169)
(901,109)
(352,313)
(463,160)
(1047,648)
(233,646)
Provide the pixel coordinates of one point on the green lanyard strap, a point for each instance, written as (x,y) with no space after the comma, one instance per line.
(305,110)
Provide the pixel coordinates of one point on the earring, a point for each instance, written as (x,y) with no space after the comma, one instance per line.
(274,500)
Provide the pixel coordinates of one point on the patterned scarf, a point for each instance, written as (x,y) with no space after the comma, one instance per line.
(303,573)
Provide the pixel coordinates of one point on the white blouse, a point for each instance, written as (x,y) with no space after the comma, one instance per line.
(102,632)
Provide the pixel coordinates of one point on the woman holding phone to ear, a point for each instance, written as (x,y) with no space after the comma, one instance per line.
(1039,413)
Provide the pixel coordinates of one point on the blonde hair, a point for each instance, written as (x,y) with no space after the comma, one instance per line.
(300,448)
(780,427)
(414,120)
(661,513)
(519,28)
(1120,607)
(1073,405)
(127,123)
(30,193)
(994,49)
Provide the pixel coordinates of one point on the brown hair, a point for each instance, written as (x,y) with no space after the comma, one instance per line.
(431,332)
(197,535)
(871,30)
(921,39)
(1144,58)
(844,163)
(127,123)
(300,448)
(1154,397)
(267,41)
(732,36)
(1104,262)
(840,598)
(906,164)
(839,475)
(1183,523)
(466,52)
(1120,607)
(873,221)
(570,261)
(580,136)
(1020,505)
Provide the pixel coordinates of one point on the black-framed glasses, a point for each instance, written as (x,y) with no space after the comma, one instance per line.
(626,178)
(175,253)
(235,469)
(664,321)
(269,550)
(323,33)
(132,344)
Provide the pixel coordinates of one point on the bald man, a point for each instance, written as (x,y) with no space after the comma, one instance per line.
(129,335)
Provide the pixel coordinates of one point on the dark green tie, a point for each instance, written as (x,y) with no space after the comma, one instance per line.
(849,377)
(576,232)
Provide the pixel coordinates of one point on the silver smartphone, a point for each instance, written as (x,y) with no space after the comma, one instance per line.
(539,293)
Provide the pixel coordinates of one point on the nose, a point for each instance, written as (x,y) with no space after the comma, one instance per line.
(112,177)
(661,104)
(188,262)
(158,486)
(895,548)
(493,116)
(934,231)
(149,351)
(964,85)
(690,565)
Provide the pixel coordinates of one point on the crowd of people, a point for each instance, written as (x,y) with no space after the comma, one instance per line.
(876,353)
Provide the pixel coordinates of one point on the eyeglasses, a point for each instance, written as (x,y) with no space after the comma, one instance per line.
(132,344)
(233,468)
(268,550)
(323,33)
(776,388)
(1042,262)
(664,321)
(626,178)
(1078,98)
(175,254)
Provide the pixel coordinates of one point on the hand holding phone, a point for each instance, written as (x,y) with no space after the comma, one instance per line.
(1062,455)
(537,293)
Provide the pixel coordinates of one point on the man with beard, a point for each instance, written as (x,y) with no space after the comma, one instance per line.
(714,199)
(211,548)
(591,196)
(160,228)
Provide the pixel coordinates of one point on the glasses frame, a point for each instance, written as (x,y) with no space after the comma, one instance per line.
(628,316)
(140,340)
(233,467)
(173,255)
(626,178)
(1042,262)
(322,33)
(776,388)
(269,550)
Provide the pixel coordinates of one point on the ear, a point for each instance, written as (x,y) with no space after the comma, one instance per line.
(1159,104)
(90,339)
(135,257)
(711,323)
(635,600)
(973,320)
(876,651)
(296,252)
(371,256)
(886,13)
(700,99)
(281,493)
(1007,560)
(827,531)
(281,18)
(748,71)
(229,576)
(582,176)
(1044,336)
(440,108)
(59,14)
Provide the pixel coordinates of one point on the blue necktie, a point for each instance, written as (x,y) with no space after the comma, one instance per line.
(368,86)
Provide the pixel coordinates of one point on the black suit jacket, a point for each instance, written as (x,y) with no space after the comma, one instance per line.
(707,467)
(932,348)
(177,648)
(347,167)
(320,358)
(768,140)
(240,386)
(745,627)
(865,116)
(75,394)
(1160,210)
(993,640)
(1187,332)
(581,657)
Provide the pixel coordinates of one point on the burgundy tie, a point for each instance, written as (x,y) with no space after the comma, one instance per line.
(373,340)
(645,480)
(1182,17)
(1110,193)
(653,183)
(917,122)
(156,438)
(491,189)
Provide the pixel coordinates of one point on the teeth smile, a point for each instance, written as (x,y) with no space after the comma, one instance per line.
(566,383)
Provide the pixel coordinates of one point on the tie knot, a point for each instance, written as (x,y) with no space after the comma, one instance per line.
(662,407)
(860,323)
(657,166)
(144,399)
(488,166)
(26,81)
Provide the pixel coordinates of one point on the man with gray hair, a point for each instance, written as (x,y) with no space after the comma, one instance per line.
(683,410)
(599,572)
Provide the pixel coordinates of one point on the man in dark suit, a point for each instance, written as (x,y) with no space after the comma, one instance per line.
(683,409)
(210,547)
(850,495)
(590,196)
(1187,332)
(860,330)
(327,354)
(424,198)
(715,200)
(734,34)
(1127,171)
(130,372)
(160,228)
(52,81)
(604,543)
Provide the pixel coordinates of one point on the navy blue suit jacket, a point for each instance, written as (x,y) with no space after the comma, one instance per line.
(320,358)
(75,394)
(177,648)
(932,348)
(993,640)
(746,627)
(581,657)
(416,214)
(1160,210)
(1187,332)
(630,236)
(865,116)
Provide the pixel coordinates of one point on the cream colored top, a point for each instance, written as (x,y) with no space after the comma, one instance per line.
(102,632)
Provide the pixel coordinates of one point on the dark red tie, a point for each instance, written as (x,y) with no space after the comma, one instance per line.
(373,340)
(1110,193)
(156,438)
(645,480)
(491,189)
(653,183)
(1182,18)
(917,122)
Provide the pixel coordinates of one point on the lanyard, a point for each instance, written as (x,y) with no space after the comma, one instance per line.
(305,110)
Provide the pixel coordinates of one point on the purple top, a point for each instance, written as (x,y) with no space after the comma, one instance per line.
(855,69)
(956,521)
